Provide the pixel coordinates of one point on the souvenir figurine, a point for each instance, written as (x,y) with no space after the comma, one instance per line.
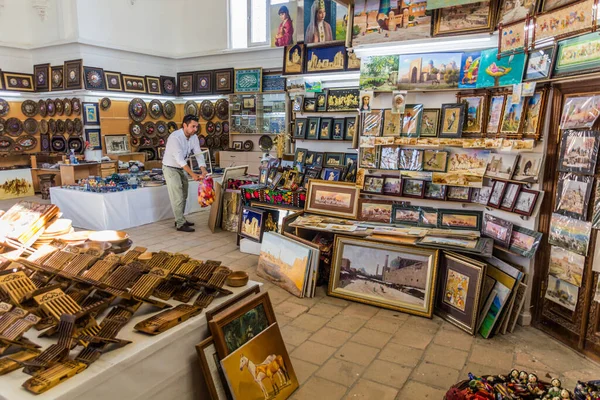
(514,376)
(565,394)
(555,389)
(523,377)
(534,386)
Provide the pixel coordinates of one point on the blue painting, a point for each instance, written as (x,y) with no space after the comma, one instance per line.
(429,70)
(469,69)
(331,174)
(273,83)
(324,21)
(505,71)
(326,59)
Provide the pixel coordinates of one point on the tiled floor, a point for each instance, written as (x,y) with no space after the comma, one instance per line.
(341,349)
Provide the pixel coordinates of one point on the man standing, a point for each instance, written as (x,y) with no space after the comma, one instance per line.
(182,144)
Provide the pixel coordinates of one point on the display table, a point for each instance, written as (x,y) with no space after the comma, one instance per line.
(119,210)
(71,173)
(152,367)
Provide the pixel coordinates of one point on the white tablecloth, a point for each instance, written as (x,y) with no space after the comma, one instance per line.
(120,210)
(162,367)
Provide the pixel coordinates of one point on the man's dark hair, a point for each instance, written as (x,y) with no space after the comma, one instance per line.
(189,118)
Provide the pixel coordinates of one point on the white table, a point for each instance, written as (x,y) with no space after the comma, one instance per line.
(161,367)
(119,210)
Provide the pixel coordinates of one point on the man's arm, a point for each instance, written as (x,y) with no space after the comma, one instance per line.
(197,151)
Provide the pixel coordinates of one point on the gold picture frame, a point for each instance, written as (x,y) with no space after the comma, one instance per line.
(336,199)
(134,84)
(442,19)
(18,82)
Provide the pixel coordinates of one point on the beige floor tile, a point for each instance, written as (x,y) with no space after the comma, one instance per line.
(368,390)
(311,323)
(419,391)
(325,310)
(340,371)
(278,295)
(371,338)
(488,356)
(457,340)
(290,309)
(388,325)
(357,353)
(282,320)
(303,369)
(446,356)
(399,354)
(305,301)
(529,362)
(360,311)
(331,337)
(479,370)
(435,375)
(336,301)
(318,388)
(346,323)
(294,335)
(312,352)
(412,338)
(387,373)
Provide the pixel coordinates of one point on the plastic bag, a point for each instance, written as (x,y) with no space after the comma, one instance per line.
(206,192)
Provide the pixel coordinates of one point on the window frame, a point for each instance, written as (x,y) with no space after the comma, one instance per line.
(249,43)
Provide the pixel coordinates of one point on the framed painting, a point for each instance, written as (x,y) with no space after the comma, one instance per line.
(434,191)
(392,185)
(510,196)
(406,215)
(336,199)
(300,128)
(533,113)
(18,82)
(414,188)
(512,116)
(326,129)
(475,107)
(203,82)
(435,160)
(223,81)
(248,80)
(460,282)
(565,21)
(459,193)
(334,159)
(579,152)
(505,71)
(469,69)
(325,59)
(524,241)
(497,194)
(389,158)
(501,165)
(528,167)
(373,184)
(350,130)
(384,265)
(512,38)
(422,71)
(153,85)
(411,159)
(90,114)
(498,229)
(168,85)
(429,217)
(238,324)
(570,233)
(548,5)
(114,83)
(211,368)
(452,120)
(391,123)
(372,123)
(273,83)
(57,78)
(134,84)
(375,210)
(465,19)
(430,123)
(73,74)
(411,120)
(540,63)
(566,64)
(313,126)
(93,78)
(94,138)
(41,76)
(339,125)
(252,223)
(516,10)
(185,81)
(116,144)
(459,219)
(526,202)
(495,113)
(342,99)
(293,59)
(368,158)
(573,195)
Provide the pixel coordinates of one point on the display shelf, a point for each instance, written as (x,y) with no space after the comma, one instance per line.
(254,113)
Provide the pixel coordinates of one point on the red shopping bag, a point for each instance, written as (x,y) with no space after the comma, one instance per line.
(206,192)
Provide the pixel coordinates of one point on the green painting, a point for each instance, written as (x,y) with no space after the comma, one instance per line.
(379,73)
(578,55)
(505,71)
(239,331)
(248,80)
(434,4)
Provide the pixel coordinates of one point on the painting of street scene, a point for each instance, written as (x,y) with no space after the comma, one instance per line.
(566,265)
(430,70)
(570,233)
(563,293)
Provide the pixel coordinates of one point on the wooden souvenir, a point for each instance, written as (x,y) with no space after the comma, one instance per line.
(16,285)
(41,77)
(55,303)
(54,375)
(166,320)
(57,81)
(73,71)
(55,352)
(13,361)
(100,270)
(133,254)
(18,82)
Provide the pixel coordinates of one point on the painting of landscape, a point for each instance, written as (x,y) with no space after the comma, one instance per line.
(284,262)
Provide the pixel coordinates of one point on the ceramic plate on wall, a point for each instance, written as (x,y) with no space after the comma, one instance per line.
(207,110)
(155,108)
(169,109)
(42,108)
(137,110)
(191,108)
(150,129)
(30,126)
(14,127)
(43,126)
(27,142)
(69,126)
(50,108)
(68,107)
(78,125)
(59,143)
(29,108)
(172,126)
(52,125)
(76,106)
(161,128)
(4,108)
(222,108)
(60,106)
(105,104)
(6,144)
(136,130)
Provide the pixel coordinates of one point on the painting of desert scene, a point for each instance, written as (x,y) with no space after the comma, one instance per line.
(284,262)
(333,199)
(566,265)
(378,274)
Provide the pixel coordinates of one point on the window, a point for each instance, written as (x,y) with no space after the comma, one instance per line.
(249,22)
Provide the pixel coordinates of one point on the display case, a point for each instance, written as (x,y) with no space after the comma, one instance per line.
(258,113)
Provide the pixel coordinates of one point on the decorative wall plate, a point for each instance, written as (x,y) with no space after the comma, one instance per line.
(150,129)
(202,141)
(43,126)
(26,142)
(150,153)
(45,142)
(222,109)
(210,127)
(56,78)
(199,129)
(52,125)
(169,109)
(94,78)
(137,110)
(50,108)
(218,128)
(75,143)
(29,108)
(135,142)
(105,104)
(136,130)
(168,85)
(30,126)
(4,108)
(161,128)
(60,126)
(14,127)
(145,141)
(78,125)
(155,108)
(209,141)
(60,106)
(190,108)
(207,110)
(6,144)
(76,106)
(68,107)
(161,142)
(225,125)
(216,141)
(69,126)
(225,141)
(155,141)
(2,126)
(58,143)
(42,108)
(265,143)
(248,145)
(172,126)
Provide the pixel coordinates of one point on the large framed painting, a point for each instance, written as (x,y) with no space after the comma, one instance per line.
(379,73)
(565,21)
(168,85)
(460,282)
(587,59)
(516,10)
(384,275)
(500,72)
(429,71)
(283,17)
(325,59)
(579,151)
(476,112)
(248,80)
(325,21)
(237,325)
(465,19)
(332,198)
(16,183)
(153,85)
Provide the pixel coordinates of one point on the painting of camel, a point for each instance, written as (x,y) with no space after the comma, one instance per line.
(261,369)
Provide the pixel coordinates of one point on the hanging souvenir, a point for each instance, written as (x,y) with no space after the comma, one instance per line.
(76,106)
(14,127)
(43,127)
(172,126)
(56,78)
(191,108)
(210,127)
(162,129)
(60,107)
(75,143)
(78,125)
(52,125)
(2,126)
(42,108)
(69,126)
(218,128)
(30,126)
(153,85)
(60,126)
(4,108)
(68,107)
(150,129)
(225,125)
(168,85)
(155,108)
(6,144)
(58,143)
(222,109)
(94,78)
(26,142)
(137,110)
(45,143)
(50,108)
(207,110)
(105,104)
(169,109)
(29,108)
(135,129)
(248,145)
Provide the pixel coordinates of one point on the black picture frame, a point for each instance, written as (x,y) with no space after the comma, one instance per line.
(568,140)
(321,99)
(350,129)
(313,128)
(245,210)
(498,189)
(309,104)
(203,82)
(444,131)
(325,128)
(412,215)
(223,81)
(168,85)
(406,185)
(338,157)
(339,128)
(300,128)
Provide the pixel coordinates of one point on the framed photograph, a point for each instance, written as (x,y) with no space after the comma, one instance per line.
(339,126)
(391,123)
(334,159)
(481,195)
(566,64)
(458,219)
(501,165)
(321,99)
(350,130)
(325,129)
(413,188)
(134,84)
(310,104)
(495,114)
(533,113)
(570,234)
(238,324)
(390,157)
(540,63)
(460,282)
(573,195)
(392,185)
(332,174)
(291,177)
(41,76)
(459,193)
(406,215)
(526,201)
(475,113)
(90,114)
(498,189)
(116,144)
(336,199)
(413,75)
(375,210)
(153,85)
(434,191)
(373,184)
(512,116)
(325,59)
(313,128)
(293,59)
(524,241)
(416,296)
(430,124)
(113,80)
(249,103)
(411,120)
(465,19)
(300,128)
(57,78)
(371,123)
(73,72)
(94,78)
(498,229)
(252,223)
(94,138)
(578,152)
(185,81)
(248,80)
(452,120)
(367,158)
(263,174)
(510,196)
(168,85)
(411,159)
(18,82)
(435,160)
(276,181)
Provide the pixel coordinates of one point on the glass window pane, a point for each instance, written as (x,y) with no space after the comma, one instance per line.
(259,21)
(238,23)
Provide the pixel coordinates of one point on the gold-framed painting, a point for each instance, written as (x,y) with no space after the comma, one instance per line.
(134,84)
(392,276)
(512,116)
(465,19)
(153,85)
(512,38)
(476,112)
(533,113)
(337,199)
(561,23)
(114,83)
(293,58)
(516,10)
(18,82)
